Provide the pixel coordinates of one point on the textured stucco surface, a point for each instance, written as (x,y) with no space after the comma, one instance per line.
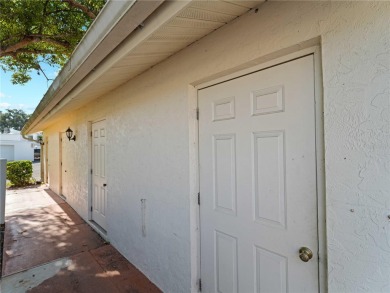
(148,151)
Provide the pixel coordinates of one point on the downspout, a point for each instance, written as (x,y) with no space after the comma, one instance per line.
(40,152)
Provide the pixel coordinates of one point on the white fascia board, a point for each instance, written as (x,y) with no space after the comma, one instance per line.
(115,22)
(166,13)
(106,21)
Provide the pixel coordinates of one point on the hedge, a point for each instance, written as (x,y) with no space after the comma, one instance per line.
(19,172)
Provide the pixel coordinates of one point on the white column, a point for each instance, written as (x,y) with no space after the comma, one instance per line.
(3,165)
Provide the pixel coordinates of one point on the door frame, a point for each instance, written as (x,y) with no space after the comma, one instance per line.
(262,63)
(96,227)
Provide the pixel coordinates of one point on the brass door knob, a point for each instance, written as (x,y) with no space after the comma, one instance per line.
(305,254)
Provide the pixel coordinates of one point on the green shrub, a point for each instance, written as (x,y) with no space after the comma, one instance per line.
(19,172)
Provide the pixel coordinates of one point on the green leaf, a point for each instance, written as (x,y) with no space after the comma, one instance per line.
(41,31)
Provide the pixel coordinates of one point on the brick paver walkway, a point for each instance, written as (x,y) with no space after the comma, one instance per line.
(49,248)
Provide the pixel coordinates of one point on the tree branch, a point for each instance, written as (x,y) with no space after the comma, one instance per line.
(41,70)
(21,44)
(44,36)
(83,8)
(27,51)
(50,40)
(27,40)
(46,33)
(40,35)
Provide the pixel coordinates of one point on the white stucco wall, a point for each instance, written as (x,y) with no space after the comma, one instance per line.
(148,151)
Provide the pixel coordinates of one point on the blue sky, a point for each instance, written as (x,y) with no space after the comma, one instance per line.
(25,97)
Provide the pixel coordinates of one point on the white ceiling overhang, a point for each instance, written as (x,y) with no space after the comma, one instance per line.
(146,33)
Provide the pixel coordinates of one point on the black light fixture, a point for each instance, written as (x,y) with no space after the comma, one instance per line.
(40,140)
(69,134)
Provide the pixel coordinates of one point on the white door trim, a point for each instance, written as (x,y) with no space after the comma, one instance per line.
(194,158)
(89,139)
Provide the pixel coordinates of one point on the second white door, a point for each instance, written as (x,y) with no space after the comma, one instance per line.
(99,185)
(66,154)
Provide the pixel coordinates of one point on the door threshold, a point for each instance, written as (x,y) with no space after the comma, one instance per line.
(99,230)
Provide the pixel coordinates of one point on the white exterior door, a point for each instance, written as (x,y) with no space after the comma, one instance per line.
(65,160)
(258,181)
(99,189)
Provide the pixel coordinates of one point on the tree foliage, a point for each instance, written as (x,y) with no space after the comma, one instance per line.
(13,118)
(41,31)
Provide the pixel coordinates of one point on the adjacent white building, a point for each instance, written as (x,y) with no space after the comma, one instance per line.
(14,147)
(240,145)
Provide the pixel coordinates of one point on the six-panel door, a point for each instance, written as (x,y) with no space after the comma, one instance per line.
(258,181)
(66,155)
(99,190)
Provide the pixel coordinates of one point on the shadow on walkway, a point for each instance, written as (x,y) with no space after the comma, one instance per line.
(48,247)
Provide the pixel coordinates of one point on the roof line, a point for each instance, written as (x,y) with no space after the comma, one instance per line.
(115,22)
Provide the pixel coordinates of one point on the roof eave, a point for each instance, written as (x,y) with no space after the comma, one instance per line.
(116,21)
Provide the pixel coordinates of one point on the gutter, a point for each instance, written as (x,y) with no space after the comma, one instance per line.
(31,139)
(115,22)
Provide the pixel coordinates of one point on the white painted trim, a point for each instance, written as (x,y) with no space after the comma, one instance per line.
(169,10)
(115,22)
(194,187)
(262,64)
(89,200)
(320,154)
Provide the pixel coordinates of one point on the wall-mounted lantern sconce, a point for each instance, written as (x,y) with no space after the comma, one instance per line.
(40,140)
(69,134)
